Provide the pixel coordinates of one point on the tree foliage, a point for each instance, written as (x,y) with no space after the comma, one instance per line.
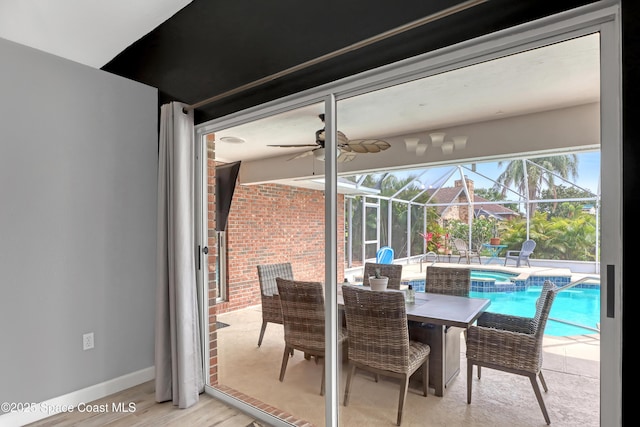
(556,238)
(564,209)
(482,230)
(532,177)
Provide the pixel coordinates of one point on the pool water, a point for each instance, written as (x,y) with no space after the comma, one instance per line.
(572,308)
(579,306)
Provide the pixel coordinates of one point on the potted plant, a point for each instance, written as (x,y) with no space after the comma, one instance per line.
(378,282)
(495,240)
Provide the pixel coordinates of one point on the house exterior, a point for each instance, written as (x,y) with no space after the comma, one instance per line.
(454,204)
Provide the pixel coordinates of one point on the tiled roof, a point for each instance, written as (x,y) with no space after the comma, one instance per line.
(444,195)
(492,208)
(450,195)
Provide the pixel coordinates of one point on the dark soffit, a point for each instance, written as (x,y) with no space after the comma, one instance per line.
(210,47)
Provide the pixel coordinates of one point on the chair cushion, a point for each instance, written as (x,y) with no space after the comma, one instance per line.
(417,352)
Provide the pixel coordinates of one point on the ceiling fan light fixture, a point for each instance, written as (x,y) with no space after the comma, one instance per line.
(459,142)
(411,143)
(437,138)
(320,154)
(421,149)
(447,147)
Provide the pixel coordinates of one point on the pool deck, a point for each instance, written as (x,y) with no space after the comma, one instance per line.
(417,271)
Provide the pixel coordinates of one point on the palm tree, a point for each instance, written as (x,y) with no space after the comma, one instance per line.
(540,173)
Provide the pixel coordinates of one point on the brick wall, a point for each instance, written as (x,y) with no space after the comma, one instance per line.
(272,223)
(212,258)
(267,223)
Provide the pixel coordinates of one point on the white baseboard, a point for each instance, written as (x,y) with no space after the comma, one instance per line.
(71,400)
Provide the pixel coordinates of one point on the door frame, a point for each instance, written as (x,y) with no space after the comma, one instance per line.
(597,17)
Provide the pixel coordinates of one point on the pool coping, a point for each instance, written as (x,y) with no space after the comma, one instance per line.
(526,276)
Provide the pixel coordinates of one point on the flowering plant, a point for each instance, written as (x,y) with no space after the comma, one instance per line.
(437,241)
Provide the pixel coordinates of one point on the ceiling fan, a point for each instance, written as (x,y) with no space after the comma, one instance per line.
(347,148)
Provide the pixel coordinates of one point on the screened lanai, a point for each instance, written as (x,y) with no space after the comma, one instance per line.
(554,200)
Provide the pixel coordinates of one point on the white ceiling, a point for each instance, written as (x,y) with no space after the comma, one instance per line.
(91,32)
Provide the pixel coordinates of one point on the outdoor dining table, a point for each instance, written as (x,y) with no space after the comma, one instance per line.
(494,250)
(443,318)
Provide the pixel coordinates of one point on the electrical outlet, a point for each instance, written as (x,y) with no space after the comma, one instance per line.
(87,341)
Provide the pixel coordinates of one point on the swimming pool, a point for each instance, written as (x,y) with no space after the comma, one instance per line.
(573,306)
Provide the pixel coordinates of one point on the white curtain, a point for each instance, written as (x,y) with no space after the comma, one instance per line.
(178,358)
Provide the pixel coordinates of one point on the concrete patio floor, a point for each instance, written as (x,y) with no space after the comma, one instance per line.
(571,369)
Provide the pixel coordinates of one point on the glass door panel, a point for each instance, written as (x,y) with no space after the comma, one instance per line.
(413,175)
(456,171)
(274,229)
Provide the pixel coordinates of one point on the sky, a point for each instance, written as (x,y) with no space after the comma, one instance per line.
(588,173)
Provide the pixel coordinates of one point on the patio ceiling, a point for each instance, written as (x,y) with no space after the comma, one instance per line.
(556,76)
(537,102)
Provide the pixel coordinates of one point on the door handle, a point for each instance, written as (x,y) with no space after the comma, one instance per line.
(611,291)
(205,251)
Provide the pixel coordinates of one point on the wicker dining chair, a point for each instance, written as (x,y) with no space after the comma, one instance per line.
(303,318)
(511,344)
(392,271)
(448,280)
(379,339)
(271,311)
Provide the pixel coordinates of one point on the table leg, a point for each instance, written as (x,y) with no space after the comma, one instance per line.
(437,360)
(444,360)
(493,256)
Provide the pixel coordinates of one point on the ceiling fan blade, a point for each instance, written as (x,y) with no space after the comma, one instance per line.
(344,157)
(294,145)
(301,155)
(367,145)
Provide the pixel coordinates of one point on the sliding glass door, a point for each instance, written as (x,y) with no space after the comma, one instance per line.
(290,206)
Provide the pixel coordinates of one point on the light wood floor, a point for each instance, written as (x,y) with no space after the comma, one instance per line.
(207,412)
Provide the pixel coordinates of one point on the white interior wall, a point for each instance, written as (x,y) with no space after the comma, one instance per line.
(78,162)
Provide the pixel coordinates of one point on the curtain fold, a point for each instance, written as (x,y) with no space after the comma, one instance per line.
(178,358)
